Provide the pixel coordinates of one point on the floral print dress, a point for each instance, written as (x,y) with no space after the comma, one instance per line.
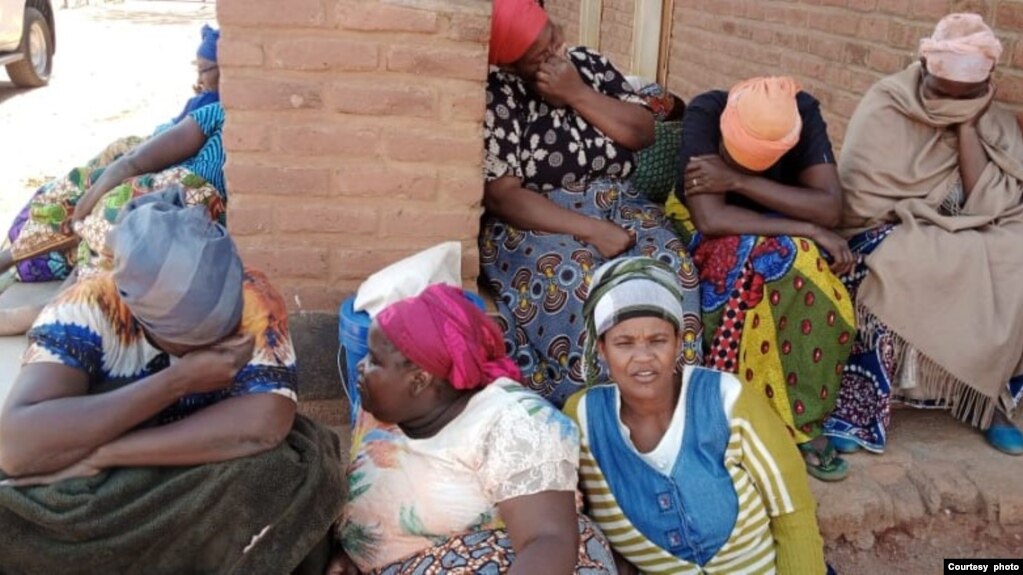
(540,280)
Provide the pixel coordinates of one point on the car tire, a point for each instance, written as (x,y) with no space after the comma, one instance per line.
(37,45)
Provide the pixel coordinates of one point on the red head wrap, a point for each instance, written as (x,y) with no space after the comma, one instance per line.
(514,26)
(442,332)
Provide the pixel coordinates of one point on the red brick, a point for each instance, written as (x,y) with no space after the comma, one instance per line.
(474,28)
(863,5)
(827,48)
(873,28)
(376,17)
(325,54)
(930,11)
(1009,16)
(268,93)
(328,219)
(270,13)
(358,263)
(468,63)
(856,54)
(288,262)
(462,187)
(280,180)
(243,136)
(327,139)
(414,222)
(239,53)
(467,105)
(897,7)
(1017,55)
(380,98)
(1010,87)
(249,218)
(305,295)
(844,24)
(406,146)
(886,61)
(406,183)
(982,7)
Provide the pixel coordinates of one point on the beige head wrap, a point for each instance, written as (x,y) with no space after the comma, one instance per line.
(962,49)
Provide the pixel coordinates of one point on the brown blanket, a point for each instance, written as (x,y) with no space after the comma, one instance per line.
(949,286)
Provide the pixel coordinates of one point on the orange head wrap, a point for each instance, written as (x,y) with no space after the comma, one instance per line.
(962,49)
(514,26)
(761,121)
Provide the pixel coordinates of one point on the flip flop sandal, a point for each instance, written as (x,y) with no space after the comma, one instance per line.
(1005,438)
(829,467)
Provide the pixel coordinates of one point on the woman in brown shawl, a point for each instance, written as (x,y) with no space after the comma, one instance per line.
(933,176)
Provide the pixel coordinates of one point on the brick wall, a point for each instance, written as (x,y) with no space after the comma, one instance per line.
(836,48)
(616,24)
(353,135)
(565,13)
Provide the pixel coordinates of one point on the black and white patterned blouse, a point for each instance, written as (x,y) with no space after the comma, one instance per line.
(549,147)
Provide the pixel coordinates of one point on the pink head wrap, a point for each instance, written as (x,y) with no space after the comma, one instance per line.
(962,49)
(514,26)
(442,332)
(761,121)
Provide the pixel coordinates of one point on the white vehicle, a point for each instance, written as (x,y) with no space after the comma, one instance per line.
(27,41)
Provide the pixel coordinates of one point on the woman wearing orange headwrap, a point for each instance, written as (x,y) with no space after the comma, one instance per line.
(932,170)
(759,198)
(560,133)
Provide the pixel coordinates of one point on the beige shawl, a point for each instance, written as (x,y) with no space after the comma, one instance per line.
(951,287)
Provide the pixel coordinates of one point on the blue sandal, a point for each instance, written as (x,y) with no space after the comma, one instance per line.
(1005,438)
(829,467)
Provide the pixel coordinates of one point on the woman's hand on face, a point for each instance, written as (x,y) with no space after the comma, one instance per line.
(610,239)
(558,81)
(710,175)
(842,259)
(213,368)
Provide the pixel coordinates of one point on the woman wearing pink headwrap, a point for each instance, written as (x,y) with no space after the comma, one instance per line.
(453,461)
(756,207)
(561,130)
(933,175)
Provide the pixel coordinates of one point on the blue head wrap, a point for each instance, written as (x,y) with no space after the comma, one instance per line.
(208,47)
(177,271)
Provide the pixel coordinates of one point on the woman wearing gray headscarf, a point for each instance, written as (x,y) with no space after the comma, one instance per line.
(683,468)
(156,406)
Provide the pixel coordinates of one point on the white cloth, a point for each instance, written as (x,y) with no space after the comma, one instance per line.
(409,277)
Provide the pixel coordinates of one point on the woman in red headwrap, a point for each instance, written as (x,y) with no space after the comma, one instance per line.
(561,130)
(453,461)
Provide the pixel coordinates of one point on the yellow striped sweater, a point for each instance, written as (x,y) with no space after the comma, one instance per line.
(774,528)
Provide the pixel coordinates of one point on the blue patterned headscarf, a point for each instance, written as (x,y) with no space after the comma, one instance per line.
(176,270)
(208,47)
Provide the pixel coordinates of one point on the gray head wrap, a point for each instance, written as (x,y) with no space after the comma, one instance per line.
(625,288)
(176,270)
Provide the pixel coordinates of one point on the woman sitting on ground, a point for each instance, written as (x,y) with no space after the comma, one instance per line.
(934,213)
(760,197)
(686,469)
(454,462)
(37,256)
(560,134)
(156,404)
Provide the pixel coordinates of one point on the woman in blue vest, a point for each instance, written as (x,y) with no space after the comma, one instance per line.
(684,469)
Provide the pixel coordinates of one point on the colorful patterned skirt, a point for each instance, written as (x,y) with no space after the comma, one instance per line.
(871,380)
(43,246)
(776,316)
(490,552)
(540,281)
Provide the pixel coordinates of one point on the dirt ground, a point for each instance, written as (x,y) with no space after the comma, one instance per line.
(120,70)
(921,550)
